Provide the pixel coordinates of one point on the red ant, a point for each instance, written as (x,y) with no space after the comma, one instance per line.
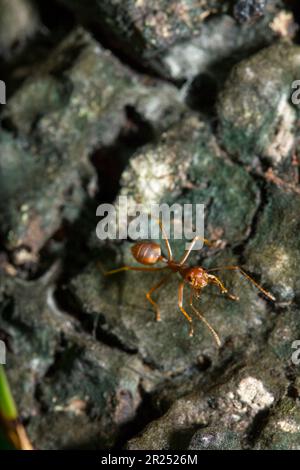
(197,278)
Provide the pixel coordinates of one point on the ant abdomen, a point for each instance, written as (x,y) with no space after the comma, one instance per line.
(146,252)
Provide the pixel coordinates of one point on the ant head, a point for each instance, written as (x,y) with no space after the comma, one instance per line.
(146,252)
(196,277)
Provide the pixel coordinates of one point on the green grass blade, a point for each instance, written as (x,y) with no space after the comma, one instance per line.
(8,408)
(5,444)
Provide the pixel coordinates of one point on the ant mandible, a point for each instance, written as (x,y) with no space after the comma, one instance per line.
(196,277)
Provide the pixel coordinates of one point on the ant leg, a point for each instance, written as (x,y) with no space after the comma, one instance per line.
(188,252)
(215,280)
(154,288)
(132,268)
(169,249)
(237,268)
(180,305)
(203,319)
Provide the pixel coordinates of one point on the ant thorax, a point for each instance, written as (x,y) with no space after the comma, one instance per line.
(196,277)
